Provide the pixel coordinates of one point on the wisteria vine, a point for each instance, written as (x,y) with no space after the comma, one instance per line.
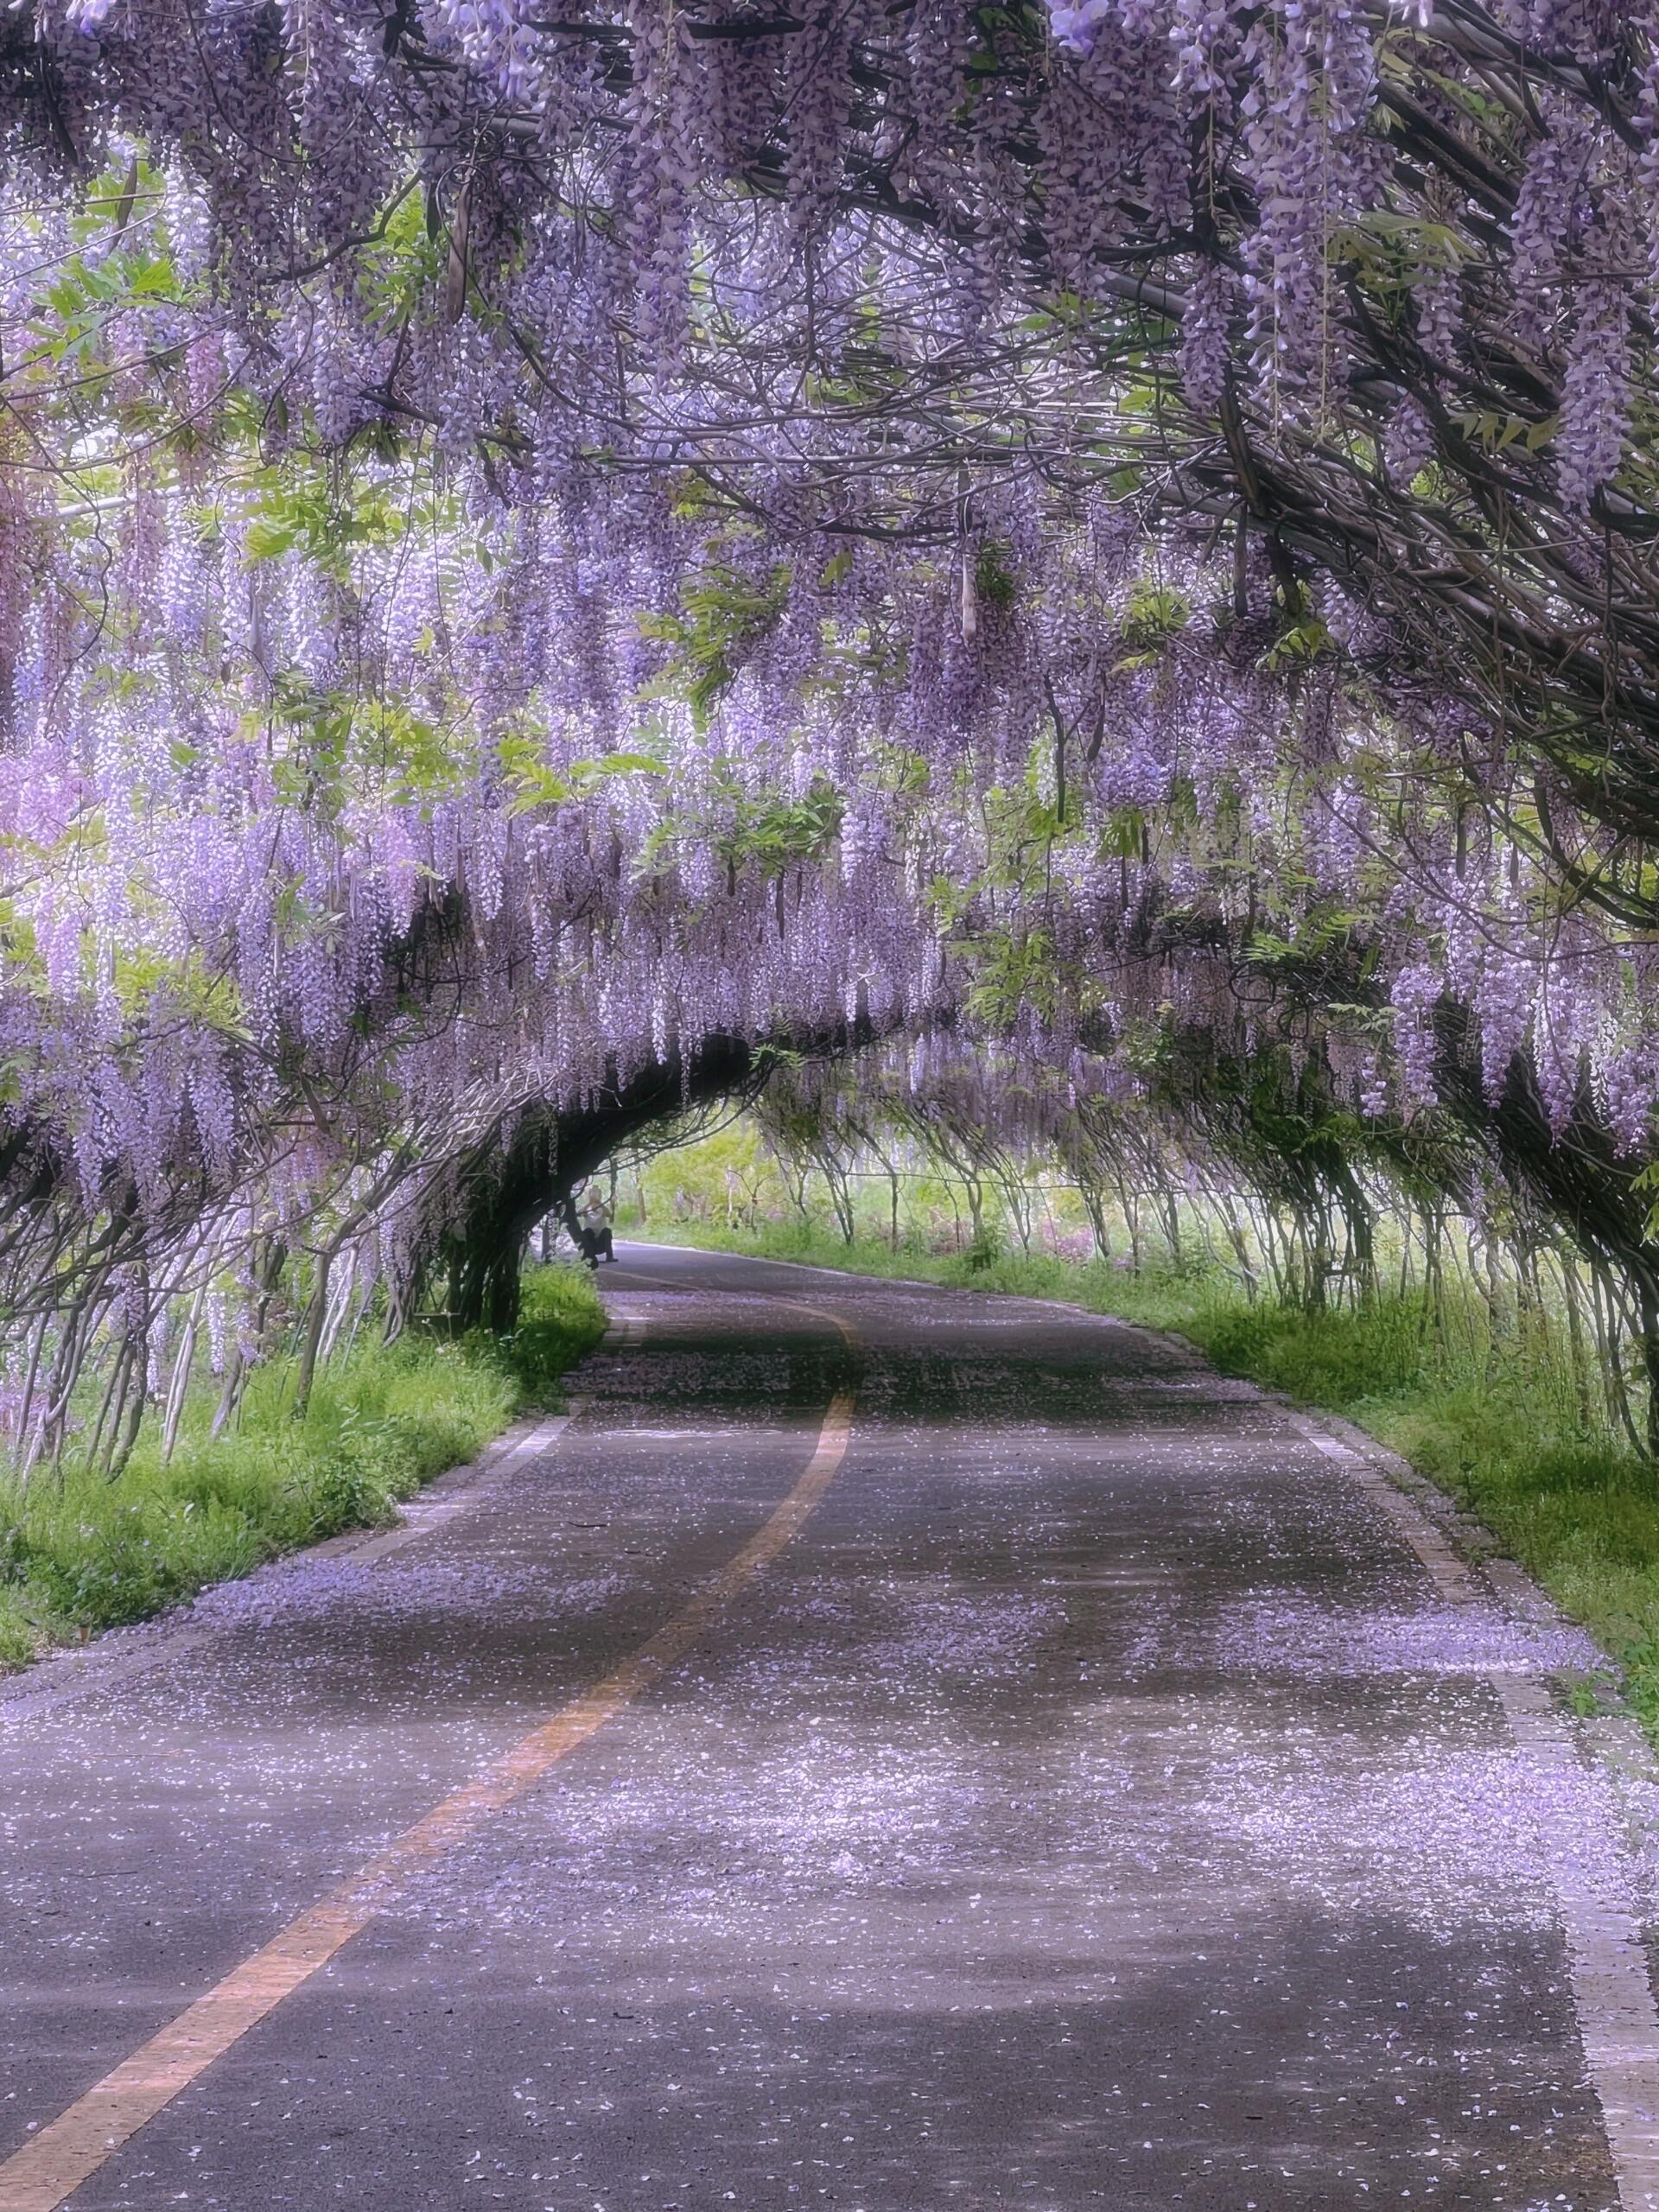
(535,553)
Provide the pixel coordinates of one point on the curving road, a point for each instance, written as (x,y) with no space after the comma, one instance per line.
(1073,1783)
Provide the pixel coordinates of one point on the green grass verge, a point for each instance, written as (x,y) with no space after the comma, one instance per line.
(1500,1434)
(78,1553)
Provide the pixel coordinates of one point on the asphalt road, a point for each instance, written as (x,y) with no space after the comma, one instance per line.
(1099,1803)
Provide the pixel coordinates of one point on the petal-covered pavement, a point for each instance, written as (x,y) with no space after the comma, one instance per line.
(1077,1782)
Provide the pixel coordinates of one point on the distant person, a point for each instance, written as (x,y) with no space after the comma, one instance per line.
(596,1243)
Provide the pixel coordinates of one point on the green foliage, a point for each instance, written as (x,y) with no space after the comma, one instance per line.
(331,517)
(1124,836)
(1013,968)
(186,985)
(777,832)
(724,614)
(405,262)
(763,829)
(1154,615)
(1323,930)
(79,1554)
(995,582)
(522,752)
(1302,641)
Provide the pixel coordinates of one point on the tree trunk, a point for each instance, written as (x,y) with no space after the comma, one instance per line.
(1241,1251)
(1581,1386)
(504,1293)
(315,1314)
(1647,1297)
(184,1360)
(236,1367)
(1612,1364)
(1094,1204)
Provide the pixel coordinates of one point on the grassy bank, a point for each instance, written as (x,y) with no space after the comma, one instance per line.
(1497,1428)
(78,1553)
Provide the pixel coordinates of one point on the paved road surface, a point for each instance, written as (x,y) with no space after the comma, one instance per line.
(1097,1802)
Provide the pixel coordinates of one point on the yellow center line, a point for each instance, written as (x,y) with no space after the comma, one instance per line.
(69,2150)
